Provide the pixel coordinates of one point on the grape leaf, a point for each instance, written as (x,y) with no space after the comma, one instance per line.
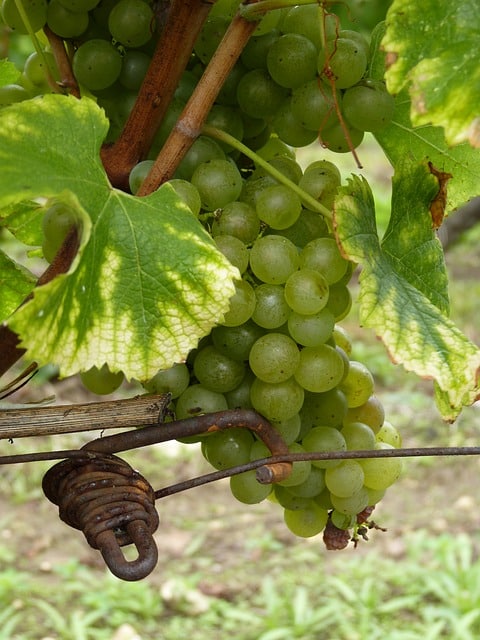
(434,45)
(147,282)
(8,73)
(16,283)
(402,297)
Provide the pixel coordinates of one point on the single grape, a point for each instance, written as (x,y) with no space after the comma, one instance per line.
(273,259)
(333,137)
(305,20)
(277,401)
(237,219)
(290,129)
(311,330)
(312,486)
(278,206)
(271,310)
(368,106)
(370,412)
(345,60)
(173,380)
(342,520)
(388,434)
(236,342)
(306,523)
(57,221)
(134,68)
(274,357)
(66,23)
(239,398)
(234,250)
(306,291)
(339,301)
(202,150)
(345,479)
(308,226)
(292,60)
(101,381)
(342,339)
(196,400)
(380,473)
(131,22)
(313,105)
(324,256)
(328,409)
(321,180)
(218,182)
(358,436)
(254,54)
(188,194)
(358,385)
(96,64)
(285,497)
(245,488)
(351,505)
(36,11)
(38,66)
(242,305)
(258,95)
(289,429)
(216,371)
(224,449)
(324,439)
(320,368)
(138,174)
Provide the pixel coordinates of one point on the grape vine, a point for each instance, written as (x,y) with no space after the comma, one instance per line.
(149,160)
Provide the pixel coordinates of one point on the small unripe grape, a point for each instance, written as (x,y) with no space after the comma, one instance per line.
(101,381)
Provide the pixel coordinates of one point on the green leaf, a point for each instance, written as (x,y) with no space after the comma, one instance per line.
(147,282)
(402,298)
(24,221)
(8,73)
(435,47)
(16,283)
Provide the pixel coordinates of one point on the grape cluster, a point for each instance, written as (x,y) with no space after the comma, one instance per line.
(280,349)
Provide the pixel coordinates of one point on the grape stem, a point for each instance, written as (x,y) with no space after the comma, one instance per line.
(189,125)
(254,11)
(172,53)
(62,60)
(306,198)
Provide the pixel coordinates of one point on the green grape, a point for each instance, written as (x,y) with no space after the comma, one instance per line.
(278,206)
(358,436)
(36,11)
(237,219)
(289,129)
(292,60)
(271,310)
(273,259)
(275,148)
(312,330)
(96,64)
(38,66)
(380,473)
(320,368)
(236,342)
(202,150)
(324,499)
(321,182)
(226,119)
(228,92)
(254,54)
(342,520)
(57,221)
(270,21)
(324,439)
(245,488)
(131,22)
(138,174)
(186,86)
(342,339)
(375,495)
(242,305)
(327,409)
(134,67)
(389,435)
(216,371)
(234,250)
(358,385)
(368,106)
(11,93)
(333,137)
(306,291)
(188,194)
(358,38)
(300,469)
(101,381)
(313,105)
(218,182)
(370,412)
(351,505)
(346,479)
(65,23)
(308,226)
(306,523)
(173,380)
(324,256)
(196,400)
(288,500)
(277,401)
(345,59)
(339,301)
(286,165)
(239,398)
(274,357)
(225,449)
(311,486)
(210,36)
(305,20)
(258,95)
(289,429)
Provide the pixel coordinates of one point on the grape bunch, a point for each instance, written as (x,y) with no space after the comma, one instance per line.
(280,349)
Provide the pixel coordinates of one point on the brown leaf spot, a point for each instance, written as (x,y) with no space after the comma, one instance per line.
(439,202)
